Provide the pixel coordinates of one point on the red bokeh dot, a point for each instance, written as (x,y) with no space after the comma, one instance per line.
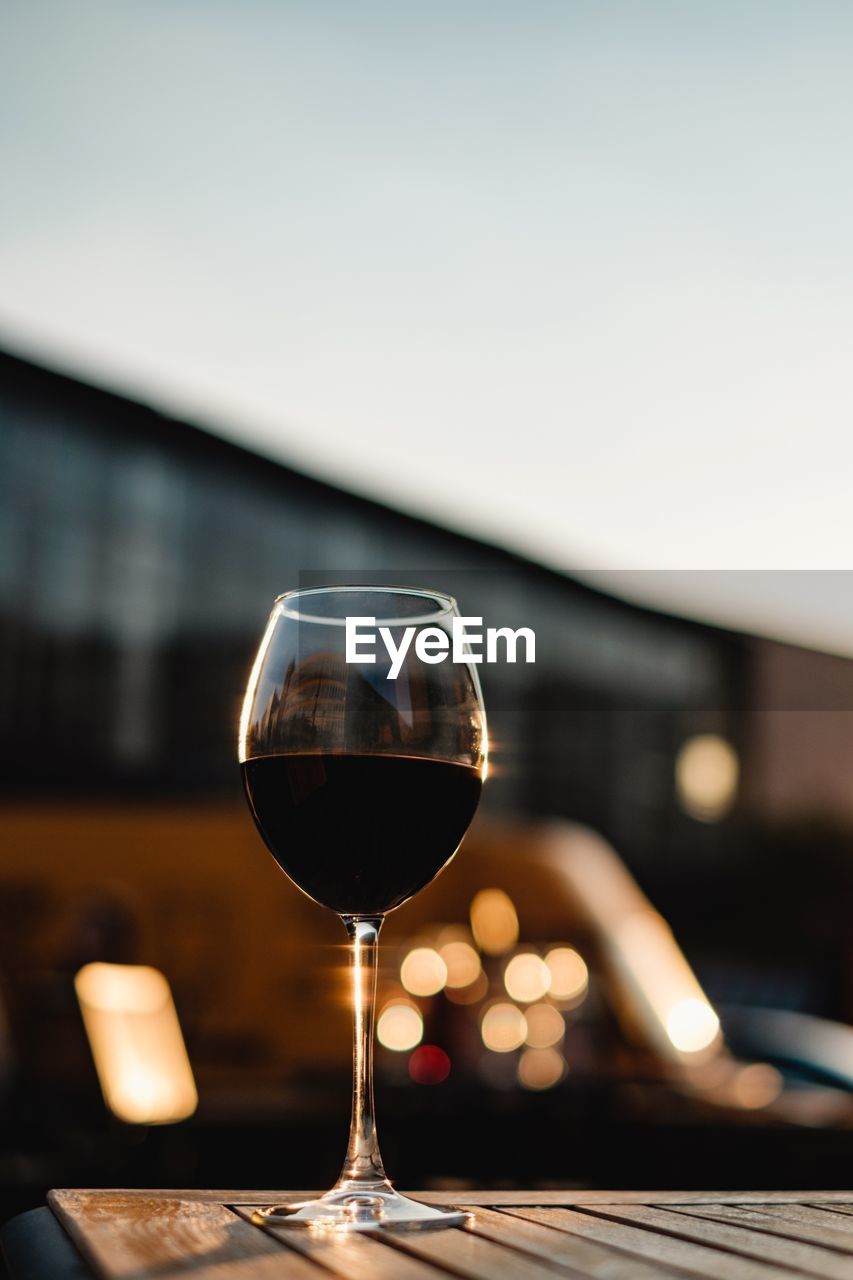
(429,1065)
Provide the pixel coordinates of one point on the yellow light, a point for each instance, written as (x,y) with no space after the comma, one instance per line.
(527,977)
(494,922)
(462,962)
(540,1068)
(400,1026)
(569,974)
(477,991)
(665,987)
(706,777)
(136,1043)
(119,988)
(423,972)
(545,1026)
(757,1085)
(503,1028)
(692,1025)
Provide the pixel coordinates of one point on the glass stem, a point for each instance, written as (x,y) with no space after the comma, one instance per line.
(363,1164)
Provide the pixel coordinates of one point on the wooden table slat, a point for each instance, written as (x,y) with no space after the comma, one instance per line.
(684,1255)
(465,1253)
(832,1206)
(807,1259)
(137,1238)
(792,1222)
(581,1257)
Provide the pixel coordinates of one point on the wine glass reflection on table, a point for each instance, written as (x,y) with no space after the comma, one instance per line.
(362,788)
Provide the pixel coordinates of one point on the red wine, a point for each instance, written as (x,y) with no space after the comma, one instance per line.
(361,833)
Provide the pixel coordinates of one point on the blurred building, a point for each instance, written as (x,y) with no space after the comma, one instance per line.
(140,557)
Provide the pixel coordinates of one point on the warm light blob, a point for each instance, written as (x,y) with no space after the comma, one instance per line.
(569,974)
(400,1027)
(541,1068)
(503,1028)
(649,957)
(545,1026)
(692,1025)
(494,921)
(463,964)
(136,1043)
(423,972)
(527,977)
(756,1085)
(706,777)
(477,991)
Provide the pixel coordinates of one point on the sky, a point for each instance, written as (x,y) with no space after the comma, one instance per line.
(571,275)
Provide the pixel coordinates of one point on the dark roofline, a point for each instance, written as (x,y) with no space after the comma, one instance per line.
(191,440)
(178,435)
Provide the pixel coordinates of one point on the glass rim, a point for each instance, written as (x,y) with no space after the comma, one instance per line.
(283,604)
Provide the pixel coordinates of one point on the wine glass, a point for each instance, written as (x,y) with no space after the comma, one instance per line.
(362,787)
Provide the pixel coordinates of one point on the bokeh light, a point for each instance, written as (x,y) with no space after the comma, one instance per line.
(545,1026)
(527,977)
(494,921)
(121,988)
(462,963)
(706,777)
(569,974)
(756,1085)
(423,972)
(503,1028)
(540,1068)
(692,1025)
(136,1042)
(429,1065)
(400,1026)
(477,991)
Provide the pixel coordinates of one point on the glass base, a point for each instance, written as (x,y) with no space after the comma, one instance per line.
(361,1209)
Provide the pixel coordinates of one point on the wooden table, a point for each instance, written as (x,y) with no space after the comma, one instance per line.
(535,1235)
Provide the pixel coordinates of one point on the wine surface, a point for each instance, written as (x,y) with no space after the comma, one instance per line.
(361,833)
